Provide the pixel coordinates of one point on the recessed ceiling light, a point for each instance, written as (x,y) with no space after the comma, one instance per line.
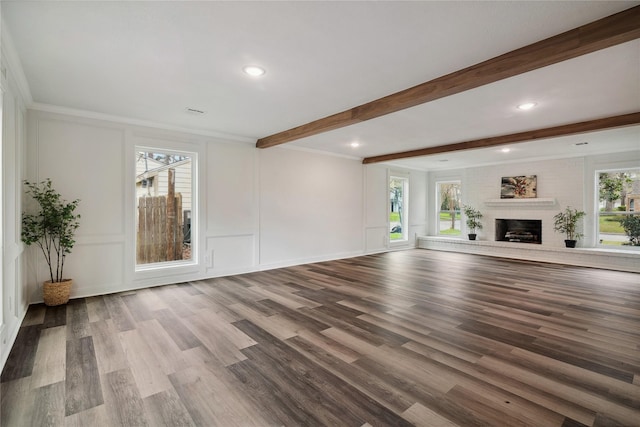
(254,71)
(506,150)
(355,144)
(527,106)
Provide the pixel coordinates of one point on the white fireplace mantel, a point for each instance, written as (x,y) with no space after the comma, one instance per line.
(539,201)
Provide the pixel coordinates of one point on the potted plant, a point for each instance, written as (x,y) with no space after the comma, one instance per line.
(52,227)
(631,225)
(473,221)
(567,222)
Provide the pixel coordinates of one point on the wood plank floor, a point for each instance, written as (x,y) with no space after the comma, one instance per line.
(415,337)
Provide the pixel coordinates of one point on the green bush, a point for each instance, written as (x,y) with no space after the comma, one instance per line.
(631,225)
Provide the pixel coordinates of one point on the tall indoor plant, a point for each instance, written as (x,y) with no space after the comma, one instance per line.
(473,220)
(52,227)
(567,222)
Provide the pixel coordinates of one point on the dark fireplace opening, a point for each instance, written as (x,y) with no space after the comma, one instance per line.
(519,230)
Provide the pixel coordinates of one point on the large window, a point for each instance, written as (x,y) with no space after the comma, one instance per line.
(398,212)
(619,207)
(448,201)
(165,205)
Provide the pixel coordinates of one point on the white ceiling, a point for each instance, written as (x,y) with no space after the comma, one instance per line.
(151,60)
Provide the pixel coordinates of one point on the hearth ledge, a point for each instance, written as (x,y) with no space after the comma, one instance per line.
(611,259)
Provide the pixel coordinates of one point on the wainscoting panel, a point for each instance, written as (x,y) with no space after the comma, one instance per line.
(230,254)
(94,268)
(376,239)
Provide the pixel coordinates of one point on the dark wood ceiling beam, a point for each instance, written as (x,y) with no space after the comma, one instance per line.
(601,34)
(552,132)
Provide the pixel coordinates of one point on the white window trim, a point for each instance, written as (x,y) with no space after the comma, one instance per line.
(179,267)
(405,205)
(437,208)
(596,207)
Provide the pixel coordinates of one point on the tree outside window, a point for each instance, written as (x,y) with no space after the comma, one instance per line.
(398,191)
(619,195)
(449,201)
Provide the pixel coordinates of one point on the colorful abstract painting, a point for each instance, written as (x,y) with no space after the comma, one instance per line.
(519,187)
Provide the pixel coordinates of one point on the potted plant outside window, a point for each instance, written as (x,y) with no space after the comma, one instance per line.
(52,227)
(473,220)
(567,222)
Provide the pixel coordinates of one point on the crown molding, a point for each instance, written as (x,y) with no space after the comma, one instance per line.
(48,108)
(11,60)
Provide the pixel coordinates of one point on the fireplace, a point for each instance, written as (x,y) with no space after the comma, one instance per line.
(519,230)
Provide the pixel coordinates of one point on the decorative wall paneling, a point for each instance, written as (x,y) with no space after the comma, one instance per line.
(13,297)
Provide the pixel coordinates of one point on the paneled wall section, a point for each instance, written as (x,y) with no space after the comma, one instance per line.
(258,209)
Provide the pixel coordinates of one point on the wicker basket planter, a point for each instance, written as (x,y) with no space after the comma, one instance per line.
(56,293)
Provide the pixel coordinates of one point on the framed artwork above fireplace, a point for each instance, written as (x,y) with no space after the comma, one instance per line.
(519,187)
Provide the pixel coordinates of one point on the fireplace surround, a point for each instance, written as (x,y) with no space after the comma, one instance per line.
(519,230)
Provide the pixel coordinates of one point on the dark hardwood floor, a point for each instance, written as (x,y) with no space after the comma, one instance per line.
(415,337)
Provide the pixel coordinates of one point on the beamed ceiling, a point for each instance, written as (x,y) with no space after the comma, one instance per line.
(425,85)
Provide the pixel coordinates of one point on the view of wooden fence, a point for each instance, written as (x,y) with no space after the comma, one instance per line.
(159,229)
(160,232)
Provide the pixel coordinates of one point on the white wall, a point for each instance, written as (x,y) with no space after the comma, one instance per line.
(376,208)
(13,300)
(310,207)
(418,204)
(231,209)
(258,209)
(103,258)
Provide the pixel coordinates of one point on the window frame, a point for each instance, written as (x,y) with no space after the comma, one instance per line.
(405,207)
(177,265)
(597,206)
(438,211)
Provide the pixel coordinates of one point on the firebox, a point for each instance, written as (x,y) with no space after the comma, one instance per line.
(519,230)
